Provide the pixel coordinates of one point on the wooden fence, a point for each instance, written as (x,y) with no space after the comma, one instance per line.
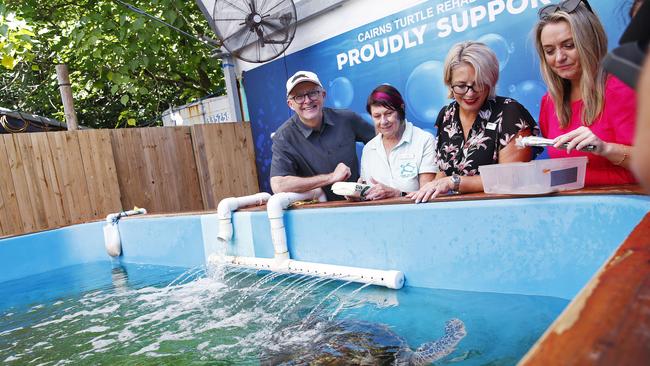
(53,179)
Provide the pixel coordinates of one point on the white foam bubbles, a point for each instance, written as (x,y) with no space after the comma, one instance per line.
(95,329)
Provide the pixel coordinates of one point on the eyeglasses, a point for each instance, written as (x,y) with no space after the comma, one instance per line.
(568,6)
(462,89)
(312,95)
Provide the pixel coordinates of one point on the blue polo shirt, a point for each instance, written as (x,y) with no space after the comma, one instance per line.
(304,152)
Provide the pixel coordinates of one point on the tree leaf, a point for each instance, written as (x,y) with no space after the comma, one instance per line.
(138,23)
(8,62)
(111,52)
(170,16)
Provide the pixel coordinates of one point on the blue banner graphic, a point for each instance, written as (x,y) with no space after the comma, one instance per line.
(407,50)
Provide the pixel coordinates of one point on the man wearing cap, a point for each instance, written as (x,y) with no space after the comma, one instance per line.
(316,147)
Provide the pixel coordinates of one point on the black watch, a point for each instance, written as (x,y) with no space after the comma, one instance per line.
(455,178)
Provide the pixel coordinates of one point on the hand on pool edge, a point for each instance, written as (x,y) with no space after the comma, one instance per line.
(432,190)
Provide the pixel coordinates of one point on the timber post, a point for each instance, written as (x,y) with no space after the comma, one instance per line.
(66,96)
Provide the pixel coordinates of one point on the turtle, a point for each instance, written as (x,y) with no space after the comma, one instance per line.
(354,342)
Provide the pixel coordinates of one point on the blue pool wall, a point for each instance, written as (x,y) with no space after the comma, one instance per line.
(29,254)
(547,246)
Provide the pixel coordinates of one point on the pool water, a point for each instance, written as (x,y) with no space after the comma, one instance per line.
(103,313)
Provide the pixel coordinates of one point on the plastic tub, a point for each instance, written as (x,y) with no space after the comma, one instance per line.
(535,177)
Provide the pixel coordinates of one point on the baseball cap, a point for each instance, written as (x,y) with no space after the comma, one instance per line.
(301,76)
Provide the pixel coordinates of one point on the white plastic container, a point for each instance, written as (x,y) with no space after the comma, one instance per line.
(535,177)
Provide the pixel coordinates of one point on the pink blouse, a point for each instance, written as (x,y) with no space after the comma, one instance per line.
(615,124)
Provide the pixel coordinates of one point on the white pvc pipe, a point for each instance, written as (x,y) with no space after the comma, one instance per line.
(275,210)
(228,205)
(119,215)
(390,279)
(281,262)
(112,240)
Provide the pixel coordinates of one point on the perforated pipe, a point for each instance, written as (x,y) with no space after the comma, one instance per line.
(282,263)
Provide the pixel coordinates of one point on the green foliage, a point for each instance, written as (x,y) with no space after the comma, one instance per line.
(125,68)
(15,40)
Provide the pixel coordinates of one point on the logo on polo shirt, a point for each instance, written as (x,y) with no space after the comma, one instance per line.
(408,170)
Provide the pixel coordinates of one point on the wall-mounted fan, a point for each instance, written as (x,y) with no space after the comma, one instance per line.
(255,30)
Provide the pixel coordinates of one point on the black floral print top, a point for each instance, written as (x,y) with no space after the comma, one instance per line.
(497,123)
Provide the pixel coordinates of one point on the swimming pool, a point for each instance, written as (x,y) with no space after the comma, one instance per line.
(144,314)
(455,255)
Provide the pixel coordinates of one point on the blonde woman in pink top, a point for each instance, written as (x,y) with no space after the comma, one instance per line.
(584,105)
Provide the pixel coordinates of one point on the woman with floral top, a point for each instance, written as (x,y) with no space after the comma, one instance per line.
(478,127)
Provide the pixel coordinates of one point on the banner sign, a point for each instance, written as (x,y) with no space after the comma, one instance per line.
(407,50)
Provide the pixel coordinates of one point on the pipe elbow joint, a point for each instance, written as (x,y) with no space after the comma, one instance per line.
(277,204)
(226,207)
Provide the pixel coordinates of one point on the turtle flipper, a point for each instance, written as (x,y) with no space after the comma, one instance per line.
(433,351)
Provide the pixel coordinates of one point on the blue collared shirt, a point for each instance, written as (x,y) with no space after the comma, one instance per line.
(304,152)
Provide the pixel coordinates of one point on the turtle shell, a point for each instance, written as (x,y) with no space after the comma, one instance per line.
(344,342)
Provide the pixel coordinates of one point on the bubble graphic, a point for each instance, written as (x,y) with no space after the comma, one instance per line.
(341,92)
(259,141)
(426,92)
(500,47)
(529,93)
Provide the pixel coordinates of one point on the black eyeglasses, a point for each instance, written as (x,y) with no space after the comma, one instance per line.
(462,89)
(312,95)
(568,6)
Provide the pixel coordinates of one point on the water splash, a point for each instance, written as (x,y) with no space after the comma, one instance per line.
(241,317)
(347,300)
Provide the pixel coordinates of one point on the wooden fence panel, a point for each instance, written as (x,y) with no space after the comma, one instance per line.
(226,161)
(181,153)
(53,179)
(10,219)
(33,178)
(129,171)
(47,185)
(156,169)
(100,172)
(202,163)
(154,142)
(66,154)
(17,172)
(245,152)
